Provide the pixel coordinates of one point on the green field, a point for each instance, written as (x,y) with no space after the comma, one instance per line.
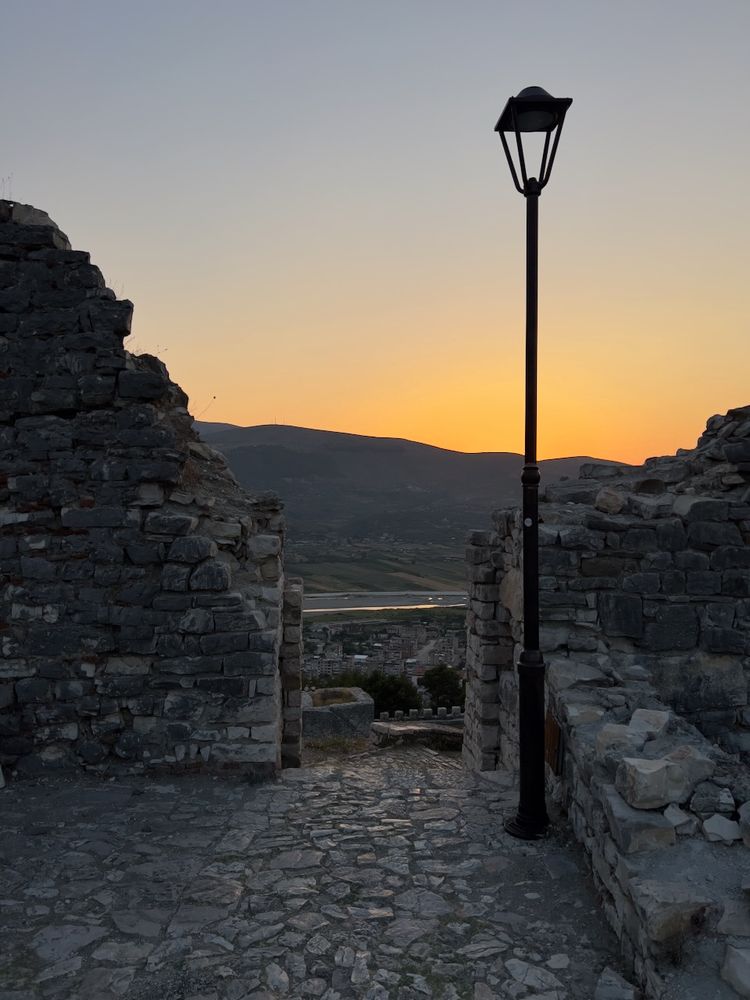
(380,571)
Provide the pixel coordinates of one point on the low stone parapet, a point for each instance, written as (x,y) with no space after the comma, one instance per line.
(332,712)
(453,714)
(435,733)
(664,817)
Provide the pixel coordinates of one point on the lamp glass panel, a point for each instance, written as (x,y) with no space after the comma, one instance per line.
(535,120)
(533,146)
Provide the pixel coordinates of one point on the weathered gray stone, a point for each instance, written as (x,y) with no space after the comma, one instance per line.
(603,566)
(564,673)
(423,903)
(651,784)
(170,524)
(192,549)
(210,575)
(618,737)
(730,557)
(671,535)
(684,823)
(532,976)
(263,546)
(277,978)
(621,614)
(649,723)
(669,909)
(296,860)
(609,500)
(719,828)
(577,714)
(735,919)
(60,941)
(725,640)
(352,716)
(702,681)
(175,576)
(643,783)
(708,535)
(709,798)
(633,829)
(675,627)
(612,986)
(93,517)
(736,969)
(141,385)
(736,583)
(697,508)
(743,816)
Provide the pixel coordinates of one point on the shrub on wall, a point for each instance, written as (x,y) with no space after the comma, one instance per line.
(444,686)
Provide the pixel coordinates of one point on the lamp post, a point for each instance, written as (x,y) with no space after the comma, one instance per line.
(533,110)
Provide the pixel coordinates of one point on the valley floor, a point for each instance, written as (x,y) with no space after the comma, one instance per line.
(344,567)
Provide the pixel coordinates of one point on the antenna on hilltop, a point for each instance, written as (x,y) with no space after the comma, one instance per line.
(199,415)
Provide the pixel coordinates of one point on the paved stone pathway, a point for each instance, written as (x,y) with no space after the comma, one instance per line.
(385,877)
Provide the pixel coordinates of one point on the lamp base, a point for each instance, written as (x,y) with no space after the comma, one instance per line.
(525,829)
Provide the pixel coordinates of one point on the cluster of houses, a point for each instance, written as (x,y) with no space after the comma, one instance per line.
(397,649)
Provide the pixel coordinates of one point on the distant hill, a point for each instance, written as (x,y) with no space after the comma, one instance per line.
(356,487)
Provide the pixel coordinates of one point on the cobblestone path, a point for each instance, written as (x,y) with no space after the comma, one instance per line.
(386,876)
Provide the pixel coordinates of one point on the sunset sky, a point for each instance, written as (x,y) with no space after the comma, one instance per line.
(308,205)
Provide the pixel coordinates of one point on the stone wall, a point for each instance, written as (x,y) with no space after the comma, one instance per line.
(645,565)
(291,673)
(645,607)
(662,814)
(352,716)
(142,594)
(492,638)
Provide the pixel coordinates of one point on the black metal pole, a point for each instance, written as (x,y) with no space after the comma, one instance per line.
(531,818)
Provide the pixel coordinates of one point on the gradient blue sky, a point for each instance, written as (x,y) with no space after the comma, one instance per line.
(310,210)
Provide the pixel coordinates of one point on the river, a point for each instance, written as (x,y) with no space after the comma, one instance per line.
(399,600)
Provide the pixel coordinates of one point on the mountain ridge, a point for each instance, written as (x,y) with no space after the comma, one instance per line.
(219,429)
(341,485)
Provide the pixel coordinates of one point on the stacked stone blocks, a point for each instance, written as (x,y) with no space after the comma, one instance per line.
(491,678)
(645,564)
(645,604)
(291,672)
(663,815)
(141,589)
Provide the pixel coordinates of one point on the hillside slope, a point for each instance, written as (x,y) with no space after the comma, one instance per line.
(349,486)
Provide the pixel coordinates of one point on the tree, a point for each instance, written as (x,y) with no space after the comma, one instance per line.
(390,694)
(444,685)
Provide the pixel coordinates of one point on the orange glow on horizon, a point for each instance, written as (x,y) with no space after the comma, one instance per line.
(625,397)
(352,257)
(614,436)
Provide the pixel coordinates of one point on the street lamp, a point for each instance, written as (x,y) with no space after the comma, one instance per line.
(533,110)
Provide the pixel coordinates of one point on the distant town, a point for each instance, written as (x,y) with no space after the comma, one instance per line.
(395,648)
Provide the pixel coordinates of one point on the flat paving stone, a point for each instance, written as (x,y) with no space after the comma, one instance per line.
(385,877)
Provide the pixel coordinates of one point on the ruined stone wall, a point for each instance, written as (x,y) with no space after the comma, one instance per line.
(645,606)
(490,675)
(291,673)
(645,565)
(141,589)
(664,818)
